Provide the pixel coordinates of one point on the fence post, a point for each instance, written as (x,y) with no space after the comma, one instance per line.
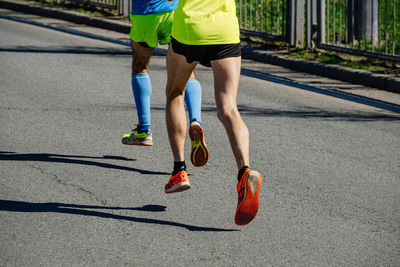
(295,23)
(125,5)
(363,20)
(308,22)
(320,22)
(311,22)
(119,7)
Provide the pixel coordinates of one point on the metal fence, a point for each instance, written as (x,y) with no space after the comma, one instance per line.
(262,17)
(362,27)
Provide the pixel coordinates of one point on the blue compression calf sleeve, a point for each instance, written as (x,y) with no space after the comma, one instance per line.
(141,88)
(193,100)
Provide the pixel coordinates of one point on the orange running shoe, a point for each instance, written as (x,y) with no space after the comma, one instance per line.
(199,155)
(177,182)
(248,190)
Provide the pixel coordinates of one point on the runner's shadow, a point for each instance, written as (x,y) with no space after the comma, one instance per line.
(20,206)
(74,159)
(67,50)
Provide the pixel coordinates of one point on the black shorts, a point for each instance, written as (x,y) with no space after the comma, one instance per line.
(205,53)
(144,44)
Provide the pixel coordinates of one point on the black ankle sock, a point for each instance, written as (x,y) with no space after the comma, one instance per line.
(241,171)
(179,166)
(142,129)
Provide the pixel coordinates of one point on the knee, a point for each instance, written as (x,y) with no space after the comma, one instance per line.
(140,65)
(174,93)
(225,114)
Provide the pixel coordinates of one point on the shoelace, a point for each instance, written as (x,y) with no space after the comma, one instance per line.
(241,194)
(171,182)
(241,190)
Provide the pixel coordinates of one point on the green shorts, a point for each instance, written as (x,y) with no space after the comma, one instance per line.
(152,29)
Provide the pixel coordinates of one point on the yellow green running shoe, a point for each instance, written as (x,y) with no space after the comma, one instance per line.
(138,139)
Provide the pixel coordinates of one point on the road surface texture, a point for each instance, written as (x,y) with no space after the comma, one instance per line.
(72,195)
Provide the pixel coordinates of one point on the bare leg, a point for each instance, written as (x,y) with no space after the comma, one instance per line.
(179,72)
(226,82)
(140,58)
(192,76)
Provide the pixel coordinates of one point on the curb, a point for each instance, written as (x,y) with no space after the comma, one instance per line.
(361,77)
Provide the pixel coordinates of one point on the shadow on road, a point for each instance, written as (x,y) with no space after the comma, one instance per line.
(301,113)
(20,206)
(308,112)
(75,159)
(67,50)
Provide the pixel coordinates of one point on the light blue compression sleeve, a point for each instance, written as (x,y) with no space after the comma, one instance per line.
(141,88)
(193,100)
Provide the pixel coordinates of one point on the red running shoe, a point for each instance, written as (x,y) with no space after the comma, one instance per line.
(248,190)
(177,182)
(199,155)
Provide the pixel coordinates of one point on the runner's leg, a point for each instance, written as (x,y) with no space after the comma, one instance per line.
(226,82)
(179,72)
(193,98)
(141,85)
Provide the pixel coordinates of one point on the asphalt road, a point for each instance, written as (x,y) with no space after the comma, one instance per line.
(72,195)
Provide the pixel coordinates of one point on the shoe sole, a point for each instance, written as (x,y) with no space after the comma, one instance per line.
(178,188)
(199,155)
(248,208)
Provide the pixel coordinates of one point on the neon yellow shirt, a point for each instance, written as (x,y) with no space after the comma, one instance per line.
(204,22)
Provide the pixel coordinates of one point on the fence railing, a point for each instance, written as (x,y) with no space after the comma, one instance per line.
(363,27)
(263,18)
(109,4)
